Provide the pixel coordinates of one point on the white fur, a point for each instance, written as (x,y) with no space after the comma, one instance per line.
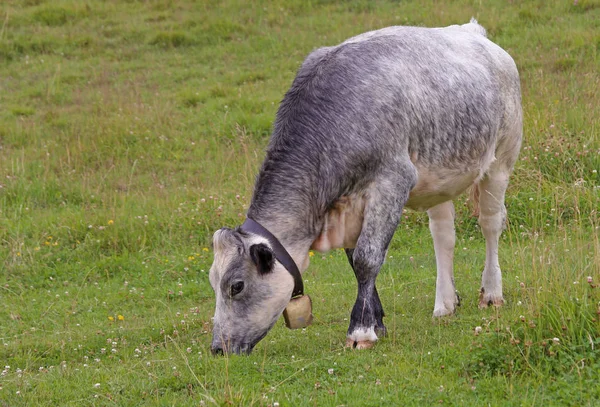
(363,334)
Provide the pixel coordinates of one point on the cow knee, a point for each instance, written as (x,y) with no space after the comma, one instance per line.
(367,264)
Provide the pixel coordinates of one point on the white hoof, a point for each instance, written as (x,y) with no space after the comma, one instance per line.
(444,308)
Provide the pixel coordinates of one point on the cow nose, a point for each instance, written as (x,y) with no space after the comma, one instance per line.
(216,350)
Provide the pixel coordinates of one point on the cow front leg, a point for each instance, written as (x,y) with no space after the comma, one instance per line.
(381,217)
(380,329)
(441,225)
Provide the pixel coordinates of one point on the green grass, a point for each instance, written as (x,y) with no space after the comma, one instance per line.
(130,131)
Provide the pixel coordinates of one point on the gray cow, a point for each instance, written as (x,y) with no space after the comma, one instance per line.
(399,117)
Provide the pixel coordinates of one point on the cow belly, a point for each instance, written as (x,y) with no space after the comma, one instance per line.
(435,187)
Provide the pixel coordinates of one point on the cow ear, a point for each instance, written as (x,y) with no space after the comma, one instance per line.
(262,257)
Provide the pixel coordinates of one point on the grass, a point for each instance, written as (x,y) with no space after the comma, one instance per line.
(130,131)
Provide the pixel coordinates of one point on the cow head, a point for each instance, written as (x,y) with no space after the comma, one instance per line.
(252,289)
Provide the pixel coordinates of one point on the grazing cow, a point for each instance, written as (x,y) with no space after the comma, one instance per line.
(399,117)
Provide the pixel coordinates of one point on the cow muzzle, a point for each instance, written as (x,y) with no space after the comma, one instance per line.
(219,350)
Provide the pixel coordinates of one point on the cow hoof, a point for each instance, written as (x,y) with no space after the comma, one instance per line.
(487,299)
(351,343)
(486,302)
(442,312)
(446,308)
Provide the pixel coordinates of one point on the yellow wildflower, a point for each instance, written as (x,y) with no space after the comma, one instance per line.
(311,253)
(120,317)
(190,258)
(205,249)
(110,318)
(110,222)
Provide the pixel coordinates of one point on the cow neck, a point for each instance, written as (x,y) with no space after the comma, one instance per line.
(281,254)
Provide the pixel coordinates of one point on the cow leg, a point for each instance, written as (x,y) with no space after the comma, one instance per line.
(492,217)
(381,217)
(380,329)
(441,225)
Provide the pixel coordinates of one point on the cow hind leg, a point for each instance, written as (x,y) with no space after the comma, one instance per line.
(492,218)
(441,225)
(381,217)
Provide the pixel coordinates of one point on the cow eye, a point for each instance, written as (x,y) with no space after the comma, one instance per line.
(237,288)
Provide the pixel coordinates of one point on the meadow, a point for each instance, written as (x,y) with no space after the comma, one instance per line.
(131,130)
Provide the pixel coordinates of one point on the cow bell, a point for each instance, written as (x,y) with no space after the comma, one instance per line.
(298,313)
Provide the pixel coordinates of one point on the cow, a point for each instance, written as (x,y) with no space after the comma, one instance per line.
(401,117)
